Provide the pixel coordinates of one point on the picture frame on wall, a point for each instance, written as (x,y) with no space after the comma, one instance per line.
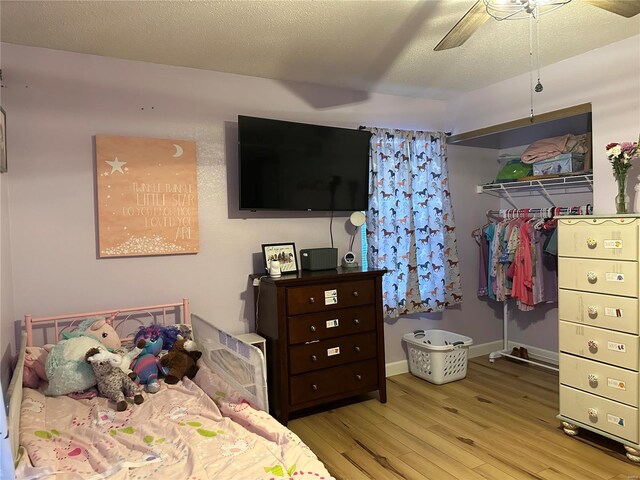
(3,141)
(285,253)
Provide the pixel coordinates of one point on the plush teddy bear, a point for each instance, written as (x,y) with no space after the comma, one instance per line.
(181,360)
(113,383)
(146,366)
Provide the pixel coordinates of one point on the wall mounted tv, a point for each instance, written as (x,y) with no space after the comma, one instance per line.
(297,166)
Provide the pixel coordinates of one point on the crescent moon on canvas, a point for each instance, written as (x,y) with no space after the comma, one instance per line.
(179,150)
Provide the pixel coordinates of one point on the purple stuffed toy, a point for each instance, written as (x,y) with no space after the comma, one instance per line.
(146,366)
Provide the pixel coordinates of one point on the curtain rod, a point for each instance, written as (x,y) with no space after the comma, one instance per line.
(362,127)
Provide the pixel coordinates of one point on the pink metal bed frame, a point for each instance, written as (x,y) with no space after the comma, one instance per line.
(29,320)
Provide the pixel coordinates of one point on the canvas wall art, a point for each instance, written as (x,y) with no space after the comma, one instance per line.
(147,196)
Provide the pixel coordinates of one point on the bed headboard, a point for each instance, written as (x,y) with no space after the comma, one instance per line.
(117,317)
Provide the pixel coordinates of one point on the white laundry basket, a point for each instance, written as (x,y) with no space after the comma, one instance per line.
(437,356)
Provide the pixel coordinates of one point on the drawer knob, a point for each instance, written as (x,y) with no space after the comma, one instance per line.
(313,328)
(357,349)
(356,321)
(355,293)
(593,346)
(314,387)
(593,413)
(592,277)
(592,242)
(592,310)
(358,377)
(314,358)
(593,380)
(312,300)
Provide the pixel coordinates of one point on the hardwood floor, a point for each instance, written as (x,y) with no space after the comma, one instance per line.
(498,423)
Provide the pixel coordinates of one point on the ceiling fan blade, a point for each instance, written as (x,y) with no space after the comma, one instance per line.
(626,8)
(466,26)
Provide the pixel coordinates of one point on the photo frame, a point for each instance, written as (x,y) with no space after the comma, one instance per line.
(3,141)
(285,253)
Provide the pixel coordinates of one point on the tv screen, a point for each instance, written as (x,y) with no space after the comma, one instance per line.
(297,166)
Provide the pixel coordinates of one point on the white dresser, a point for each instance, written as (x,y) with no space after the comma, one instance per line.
(598,279)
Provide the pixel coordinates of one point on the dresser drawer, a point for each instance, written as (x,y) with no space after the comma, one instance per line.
(599,276)
(354,377)
(606,311)
(332,352)
(602,414)
(329,296)
(598,238)
(319,326)
(615,348)
(600,379)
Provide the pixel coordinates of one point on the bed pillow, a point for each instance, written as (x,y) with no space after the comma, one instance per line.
(66,368)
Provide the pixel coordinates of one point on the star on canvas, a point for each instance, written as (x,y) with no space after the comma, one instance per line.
(116,165)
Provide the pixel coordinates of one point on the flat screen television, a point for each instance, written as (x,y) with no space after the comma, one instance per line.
(297,166)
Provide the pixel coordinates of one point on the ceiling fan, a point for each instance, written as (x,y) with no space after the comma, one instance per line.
(482,10)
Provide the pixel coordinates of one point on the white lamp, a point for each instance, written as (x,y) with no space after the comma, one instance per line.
(357,219)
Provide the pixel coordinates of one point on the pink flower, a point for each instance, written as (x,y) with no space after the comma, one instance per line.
(611,145)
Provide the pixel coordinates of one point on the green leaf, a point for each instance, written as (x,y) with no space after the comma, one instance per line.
(147,439)
(194,424)
(128,430)
(220,394)
(291,470)
(267,469)
(113,433)
(161,440)
(43,434)
(55,432)
(206,433)
(278,470)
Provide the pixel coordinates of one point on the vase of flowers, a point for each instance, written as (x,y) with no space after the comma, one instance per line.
(620,156)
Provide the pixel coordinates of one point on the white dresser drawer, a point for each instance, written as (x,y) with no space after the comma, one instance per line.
(598,238)
(599,276)
(615,348)
(598,378)
(602,414)
(606,311)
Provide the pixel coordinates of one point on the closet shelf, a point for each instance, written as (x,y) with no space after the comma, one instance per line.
(569,181)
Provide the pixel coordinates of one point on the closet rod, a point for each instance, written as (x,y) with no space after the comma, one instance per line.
(549,212)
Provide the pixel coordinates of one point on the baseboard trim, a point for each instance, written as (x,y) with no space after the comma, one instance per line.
(402,366)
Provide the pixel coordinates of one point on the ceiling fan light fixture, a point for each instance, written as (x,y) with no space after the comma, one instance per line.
(521,9)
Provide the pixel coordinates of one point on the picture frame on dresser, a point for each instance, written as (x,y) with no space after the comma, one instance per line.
(285,253)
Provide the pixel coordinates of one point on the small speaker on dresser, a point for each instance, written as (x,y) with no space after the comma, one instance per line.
(319,258)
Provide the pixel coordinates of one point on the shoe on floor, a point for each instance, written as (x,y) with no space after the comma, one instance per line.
(523,353)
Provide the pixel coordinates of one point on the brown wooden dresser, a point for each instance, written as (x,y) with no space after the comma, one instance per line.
(325,339)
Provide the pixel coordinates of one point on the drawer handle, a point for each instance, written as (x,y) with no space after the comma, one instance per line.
(591,242)
(593,346)
(593,380)
(314,387)
(356,321)
(593,413)
(592,277)
(314,358)
(358,377)
(312,300)
(357,349)
(355,293)
(313,328)
(592,310)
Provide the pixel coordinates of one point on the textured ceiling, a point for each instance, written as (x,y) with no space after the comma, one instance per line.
(374,46)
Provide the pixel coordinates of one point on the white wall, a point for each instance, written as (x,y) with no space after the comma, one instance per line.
(56,102)
(609,79)
(6,288)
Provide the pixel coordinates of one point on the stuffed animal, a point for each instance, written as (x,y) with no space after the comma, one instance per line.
(147,365)
(181,360)
(35,359)
(113,383)
(66,367)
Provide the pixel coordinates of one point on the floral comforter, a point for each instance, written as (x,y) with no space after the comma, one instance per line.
(178,433)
